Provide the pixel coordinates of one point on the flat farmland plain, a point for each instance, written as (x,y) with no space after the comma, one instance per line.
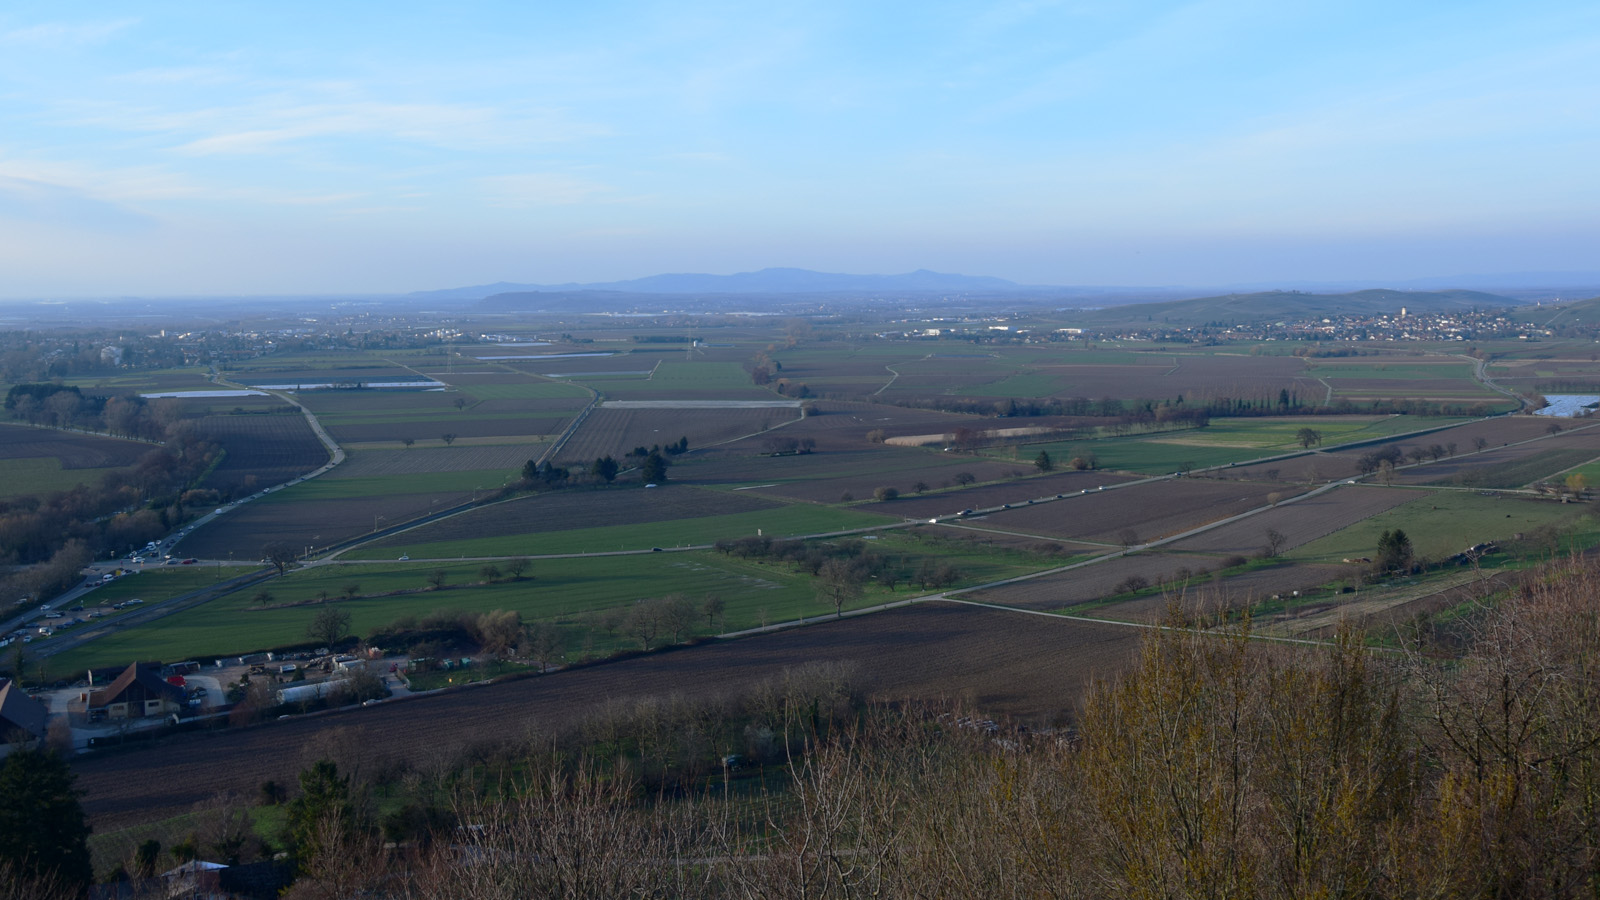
(1007,664)
(787,521)
(144,382)
(844,425)
(826,477)
(518,410)
(1442,523)
(333,374)
(1221,443)
(1508,467)
(41,460)
(71,450)
(686,381)
(578,508)
(1333,465)
(614,432)
(1300,522)
(1146,455)
(1151,511)
(376,463)
(333,406)
(1230,592)
(261,450)
(1281,434)
(601,364)
(466,425)
(243,531)
(1087,584)
(983,496)
(561,591)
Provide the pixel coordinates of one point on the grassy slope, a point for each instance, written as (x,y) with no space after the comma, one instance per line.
(1441,523)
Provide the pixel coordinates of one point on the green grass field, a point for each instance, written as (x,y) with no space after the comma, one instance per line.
(559,590)
(789,521)
(1590,471)
(152,586)
(41,475)
(1143,455)
(1442,523)
(1279,434)
(1221,442)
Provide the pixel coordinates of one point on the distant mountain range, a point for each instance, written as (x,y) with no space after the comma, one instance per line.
(925,283)
(766,281)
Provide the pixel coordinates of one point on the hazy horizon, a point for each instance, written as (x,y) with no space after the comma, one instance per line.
(173,150)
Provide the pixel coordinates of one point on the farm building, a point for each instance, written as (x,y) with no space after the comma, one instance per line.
(139,691)
(20,713)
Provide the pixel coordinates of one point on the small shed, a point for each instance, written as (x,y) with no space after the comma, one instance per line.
(138,692)
(20,713)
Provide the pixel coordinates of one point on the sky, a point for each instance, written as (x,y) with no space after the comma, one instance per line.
(165,148)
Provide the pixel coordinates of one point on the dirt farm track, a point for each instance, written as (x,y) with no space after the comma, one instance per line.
(1026,666)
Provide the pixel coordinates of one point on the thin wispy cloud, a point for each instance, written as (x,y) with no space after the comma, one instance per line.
(42,203)
(58,35)
(780,135)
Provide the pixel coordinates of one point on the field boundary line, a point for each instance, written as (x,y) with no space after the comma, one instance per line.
(784,424)
(1148,626)
(571,429)
(1024,534)
(1327,399)
(896,373)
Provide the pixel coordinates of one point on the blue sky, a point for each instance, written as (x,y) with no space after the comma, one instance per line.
(292,147)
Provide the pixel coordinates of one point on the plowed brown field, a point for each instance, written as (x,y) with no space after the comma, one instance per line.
(569,510)
(1152,511)
(1300,522)
(1015,664)
(262,450)
(1093,582)
(75,451)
